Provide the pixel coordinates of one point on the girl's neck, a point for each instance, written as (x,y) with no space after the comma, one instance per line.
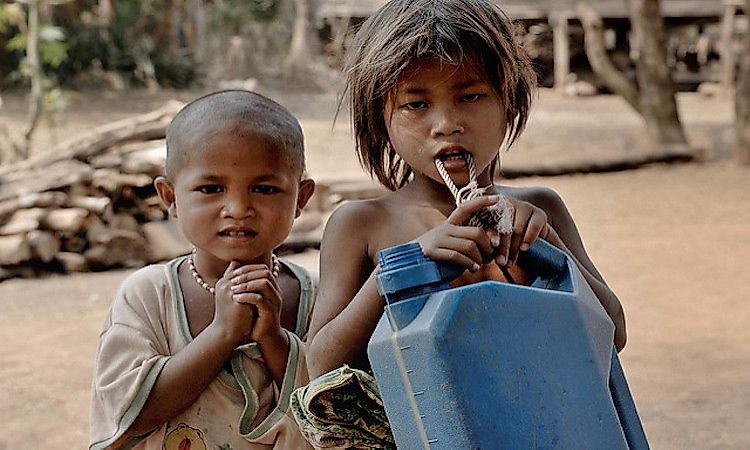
(424,190)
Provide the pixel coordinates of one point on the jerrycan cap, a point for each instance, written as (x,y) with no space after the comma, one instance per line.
(405,268)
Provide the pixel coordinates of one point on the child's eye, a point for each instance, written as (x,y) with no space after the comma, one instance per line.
(210,189)
(470,98)
(265,189)
(415,105)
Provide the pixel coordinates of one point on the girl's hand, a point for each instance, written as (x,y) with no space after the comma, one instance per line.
(454,242)
(236,320)
(529,223)
(255,287)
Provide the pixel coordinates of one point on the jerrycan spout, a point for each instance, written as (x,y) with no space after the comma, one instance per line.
(405,273)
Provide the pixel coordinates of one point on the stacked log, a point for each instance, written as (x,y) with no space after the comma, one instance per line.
(89,203)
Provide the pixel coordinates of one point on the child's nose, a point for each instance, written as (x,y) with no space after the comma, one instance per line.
(238,207)
(447,121)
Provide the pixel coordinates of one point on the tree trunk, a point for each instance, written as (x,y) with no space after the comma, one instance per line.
(197,42)
(104,13)
(657,93)
(596,52)
(167,35)
(304,40)
(32,55)
(742,105)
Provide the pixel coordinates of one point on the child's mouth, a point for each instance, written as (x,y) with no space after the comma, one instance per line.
(237,233)
(454,160)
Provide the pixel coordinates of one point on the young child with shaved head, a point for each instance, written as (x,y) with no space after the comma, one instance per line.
(205,350)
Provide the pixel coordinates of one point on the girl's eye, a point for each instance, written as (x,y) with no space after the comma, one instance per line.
(415,105)
(265,189)
(470,98)
(210,189)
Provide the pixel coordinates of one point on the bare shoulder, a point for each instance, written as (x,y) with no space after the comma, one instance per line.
(540,196)
(357,218)
(358,225)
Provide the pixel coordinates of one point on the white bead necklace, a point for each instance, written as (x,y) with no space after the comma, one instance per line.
(275,270)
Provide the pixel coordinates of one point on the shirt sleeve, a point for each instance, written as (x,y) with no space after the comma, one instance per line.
(133,349)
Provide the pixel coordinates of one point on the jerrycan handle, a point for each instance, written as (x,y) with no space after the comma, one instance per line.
(543,258)
(406,272)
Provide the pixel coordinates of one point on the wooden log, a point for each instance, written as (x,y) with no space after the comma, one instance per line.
(119,248)
(57,175)
(14,249)
(24,220)
(165,241)
(98,205)
(144,127)
(111,180)
(72,262)
(123,221)
(101,206)
(150,161)
(66,219)
(32,200)
(44,245)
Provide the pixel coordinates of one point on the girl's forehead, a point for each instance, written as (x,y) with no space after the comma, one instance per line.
(436,70)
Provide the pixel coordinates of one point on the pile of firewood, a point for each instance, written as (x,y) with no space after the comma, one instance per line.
(90,204)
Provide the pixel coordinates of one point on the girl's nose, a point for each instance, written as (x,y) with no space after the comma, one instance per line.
(238,207)
(446,121)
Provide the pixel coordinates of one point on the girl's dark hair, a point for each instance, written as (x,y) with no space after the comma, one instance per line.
(453,31)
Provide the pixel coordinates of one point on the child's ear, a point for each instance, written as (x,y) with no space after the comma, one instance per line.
(166,194)
(306,190)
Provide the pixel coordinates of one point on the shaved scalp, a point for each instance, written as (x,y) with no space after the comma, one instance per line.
(232,112)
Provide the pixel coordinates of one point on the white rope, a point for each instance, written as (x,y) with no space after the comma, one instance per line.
(498,216)
(468,192)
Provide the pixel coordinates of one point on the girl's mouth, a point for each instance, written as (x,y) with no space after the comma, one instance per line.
(454,160)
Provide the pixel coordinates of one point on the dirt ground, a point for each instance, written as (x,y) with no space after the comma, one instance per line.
(671,240)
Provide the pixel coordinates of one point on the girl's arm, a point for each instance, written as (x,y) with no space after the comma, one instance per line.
(348,306)
(563,234)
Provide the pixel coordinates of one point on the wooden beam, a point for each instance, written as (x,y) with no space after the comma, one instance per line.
(561,48)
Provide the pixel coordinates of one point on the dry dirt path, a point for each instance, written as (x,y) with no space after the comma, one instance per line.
(671,240)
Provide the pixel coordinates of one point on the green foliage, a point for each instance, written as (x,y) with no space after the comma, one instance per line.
(263,10)
(80,48)
(53,50)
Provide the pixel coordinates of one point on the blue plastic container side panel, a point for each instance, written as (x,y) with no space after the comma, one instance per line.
(507,338)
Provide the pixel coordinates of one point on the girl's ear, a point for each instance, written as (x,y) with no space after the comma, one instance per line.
(306,190)
(166,194)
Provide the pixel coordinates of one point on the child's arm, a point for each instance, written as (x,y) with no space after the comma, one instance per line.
(563,233)
(348,305)
(189,372)
(254,285)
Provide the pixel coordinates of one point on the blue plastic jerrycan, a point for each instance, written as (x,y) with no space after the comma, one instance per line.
(496,365)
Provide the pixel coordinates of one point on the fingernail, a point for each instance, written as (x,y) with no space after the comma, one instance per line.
(495,241)
(475,267)
(234,288)
(493,197)
(501,260)
(524,247)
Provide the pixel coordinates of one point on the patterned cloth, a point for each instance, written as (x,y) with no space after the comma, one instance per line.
(342,409)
